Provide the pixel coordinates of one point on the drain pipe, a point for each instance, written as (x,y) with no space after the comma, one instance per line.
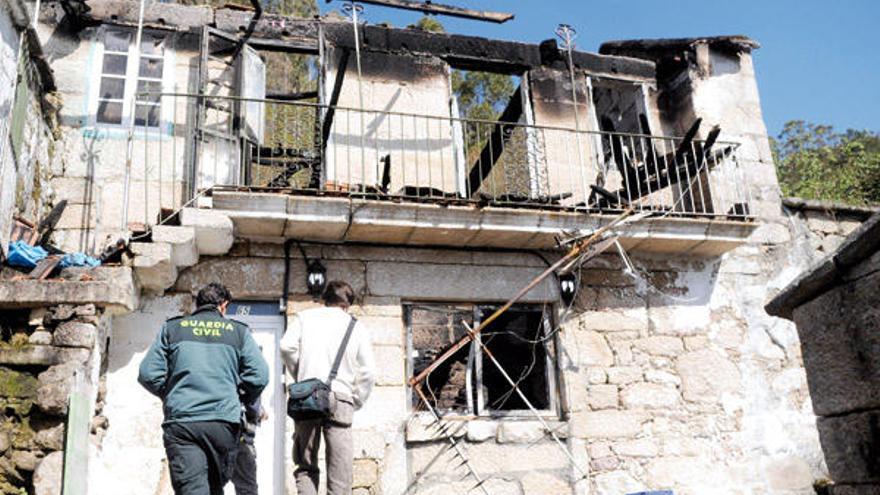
(285,292)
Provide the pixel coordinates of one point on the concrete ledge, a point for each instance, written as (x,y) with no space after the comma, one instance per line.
(111,287)
(333,219)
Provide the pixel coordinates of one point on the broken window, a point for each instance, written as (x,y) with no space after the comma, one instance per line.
(122,80)
(469,382)
(620,106)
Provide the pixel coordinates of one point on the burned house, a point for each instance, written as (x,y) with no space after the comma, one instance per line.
(183,135)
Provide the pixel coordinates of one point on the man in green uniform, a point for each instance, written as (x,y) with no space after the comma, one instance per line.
(203,366)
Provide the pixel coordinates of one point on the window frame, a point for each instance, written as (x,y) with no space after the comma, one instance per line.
(131,78)
(475,400)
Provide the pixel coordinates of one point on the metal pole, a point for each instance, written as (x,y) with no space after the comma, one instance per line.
(36,14)
(354,9)
(130,146)
(568,34)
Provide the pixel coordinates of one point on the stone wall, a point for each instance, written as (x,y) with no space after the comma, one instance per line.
(682,383)
(41,353)
(9,48)
(824,224)
(24,167)
(834,305)
(671,379)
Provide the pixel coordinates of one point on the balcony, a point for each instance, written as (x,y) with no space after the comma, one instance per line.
(298,170)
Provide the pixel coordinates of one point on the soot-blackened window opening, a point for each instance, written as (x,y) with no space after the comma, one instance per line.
(469,383)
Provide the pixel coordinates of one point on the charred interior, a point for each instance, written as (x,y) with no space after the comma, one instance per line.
(405,114)
(470,383)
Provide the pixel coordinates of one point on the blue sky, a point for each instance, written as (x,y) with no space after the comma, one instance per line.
(819,60)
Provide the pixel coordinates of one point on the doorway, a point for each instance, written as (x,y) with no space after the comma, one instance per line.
(267,326)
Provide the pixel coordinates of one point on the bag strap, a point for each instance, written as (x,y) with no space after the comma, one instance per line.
(341,350)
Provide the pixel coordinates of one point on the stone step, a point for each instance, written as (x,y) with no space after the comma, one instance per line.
(153,266)
(182,240)
(213,230)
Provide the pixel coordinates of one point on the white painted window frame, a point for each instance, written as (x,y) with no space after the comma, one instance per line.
(131,78)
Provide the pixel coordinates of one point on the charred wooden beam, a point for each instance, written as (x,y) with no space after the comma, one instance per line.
(288,33)
(302,95)
(494,147)
(386,173)
(685,146)
(460,51)
(663,177)
(437,8)
(334,97)
(710,141)
(286,45)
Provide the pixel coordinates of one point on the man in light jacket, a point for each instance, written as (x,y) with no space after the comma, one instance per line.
(308,349)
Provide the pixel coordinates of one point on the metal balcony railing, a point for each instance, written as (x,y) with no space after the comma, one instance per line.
(198,144)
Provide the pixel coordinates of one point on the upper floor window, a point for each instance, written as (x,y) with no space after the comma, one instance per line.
(125,79)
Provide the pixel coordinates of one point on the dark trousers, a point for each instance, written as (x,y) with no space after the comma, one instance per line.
(244,477)
(201,455)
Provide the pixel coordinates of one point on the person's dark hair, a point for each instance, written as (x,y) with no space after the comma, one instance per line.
(338,293)
(213,294)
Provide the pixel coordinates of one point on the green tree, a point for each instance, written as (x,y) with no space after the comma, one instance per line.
(428,23)
(481,95)
(815,162)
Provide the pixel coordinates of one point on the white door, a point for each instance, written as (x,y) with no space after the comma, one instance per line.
(267,326)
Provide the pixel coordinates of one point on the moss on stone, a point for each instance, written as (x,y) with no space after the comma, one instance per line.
(7,488)
(22,434)
(19,340)
(17,384)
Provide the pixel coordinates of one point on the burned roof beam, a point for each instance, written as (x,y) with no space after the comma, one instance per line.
(733,42)
(273,30)
(288,46)
(469,52)
(437,8)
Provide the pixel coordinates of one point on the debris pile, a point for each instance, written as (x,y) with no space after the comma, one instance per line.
(32,254)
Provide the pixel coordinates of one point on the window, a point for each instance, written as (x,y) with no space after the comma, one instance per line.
(122,79)
(469,383)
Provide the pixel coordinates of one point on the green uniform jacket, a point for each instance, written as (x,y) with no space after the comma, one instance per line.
(203,366)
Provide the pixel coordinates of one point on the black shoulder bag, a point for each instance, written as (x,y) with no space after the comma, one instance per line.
(310,399)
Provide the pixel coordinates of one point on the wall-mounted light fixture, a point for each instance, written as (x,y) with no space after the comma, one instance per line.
(316,278)
(567,287)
